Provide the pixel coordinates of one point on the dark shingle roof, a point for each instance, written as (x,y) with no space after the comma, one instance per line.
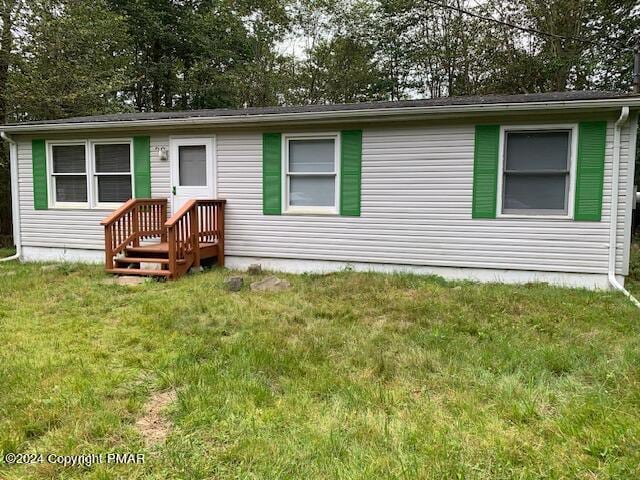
(345,107)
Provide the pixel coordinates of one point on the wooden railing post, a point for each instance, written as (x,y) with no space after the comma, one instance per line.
(195,235)
(163,209)
(171,239)
(108,248)
(220,225)
(136,224)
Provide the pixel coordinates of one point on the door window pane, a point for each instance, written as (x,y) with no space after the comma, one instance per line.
(316,191)
(312,156)
(114,188)
(536,192)
(113,158)
(537,150)
(192,165)
(71,188)
(69,159)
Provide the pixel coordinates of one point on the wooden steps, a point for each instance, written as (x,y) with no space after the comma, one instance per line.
(146,260)
(138,233)
(138,271)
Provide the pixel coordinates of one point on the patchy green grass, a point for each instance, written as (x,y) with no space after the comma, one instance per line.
(6,252)
(344,376)
(633,280)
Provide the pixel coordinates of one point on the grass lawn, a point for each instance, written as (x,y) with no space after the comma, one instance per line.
(5,252)
(344,376)
(632,282)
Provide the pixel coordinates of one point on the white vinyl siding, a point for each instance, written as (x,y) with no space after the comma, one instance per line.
(416,209)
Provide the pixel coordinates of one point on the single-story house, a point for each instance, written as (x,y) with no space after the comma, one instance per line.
(509,188)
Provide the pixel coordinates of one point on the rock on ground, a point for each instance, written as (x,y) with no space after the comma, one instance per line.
(270,284)
(234,284)
(254,269)
(130,280)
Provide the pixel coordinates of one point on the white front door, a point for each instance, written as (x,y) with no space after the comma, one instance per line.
(192,169)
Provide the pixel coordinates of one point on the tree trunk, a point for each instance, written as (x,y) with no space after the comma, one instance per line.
(6,44)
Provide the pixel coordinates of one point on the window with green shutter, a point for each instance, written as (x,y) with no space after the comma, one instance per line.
(535,169)
(90,173)
(314,174)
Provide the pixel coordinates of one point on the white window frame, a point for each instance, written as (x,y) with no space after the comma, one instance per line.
(286,175)
(90,173)
(94,174)
(573,147)
(51,177)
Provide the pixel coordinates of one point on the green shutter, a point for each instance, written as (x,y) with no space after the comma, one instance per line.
(39,160)
(592,137)
(142,166)
(272,174)
(350,172)
(485,171)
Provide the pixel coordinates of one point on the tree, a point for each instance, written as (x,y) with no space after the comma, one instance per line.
(9,10)
(74,61)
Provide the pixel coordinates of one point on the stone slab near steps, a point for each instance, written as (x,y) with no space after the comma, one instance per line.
(129,280)
(270,284)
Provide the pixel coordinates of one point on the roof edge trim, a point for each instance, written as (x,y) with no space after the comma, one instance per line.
(331,115)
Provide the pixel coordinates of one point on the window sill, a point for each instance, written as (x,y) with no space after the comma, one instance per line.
(69,206)
(312,211)
(533,216)
(97,208)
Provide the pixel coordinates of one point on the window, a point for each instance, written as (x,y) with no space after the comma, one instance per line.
(192,165)
(69,173)
(536,176)
(311,174)
(112,171)
(86,173)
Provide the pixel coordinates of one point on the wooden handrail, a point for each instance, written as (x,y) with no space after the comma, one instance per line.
(197,221)
(137,219)
(188,205)
(126,206)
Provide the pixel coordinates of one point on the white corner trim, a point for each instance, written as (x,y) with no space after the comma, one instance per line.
(591,281)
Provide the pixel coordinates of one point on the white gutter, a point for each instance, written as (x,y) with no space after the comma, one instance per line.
(373,114)
(613,222)
(15,207)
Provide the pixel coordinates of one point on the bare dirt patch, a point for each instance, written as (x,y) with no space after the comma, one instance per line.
(153,425)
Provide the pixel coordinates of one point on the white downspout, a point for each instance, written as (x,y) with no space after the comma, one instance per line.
(613,222)
(15,207)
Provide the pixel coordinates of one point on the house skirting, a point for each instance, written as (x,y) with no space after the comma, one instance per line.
(592,281)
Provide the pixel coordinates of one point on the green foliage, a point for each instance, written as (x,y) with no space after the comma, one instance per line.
(75,61)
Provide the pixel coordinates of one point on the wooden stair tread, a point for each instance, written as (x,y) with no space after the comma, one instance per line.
(138,271)
(151,248)
(161,247)
(145,260)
